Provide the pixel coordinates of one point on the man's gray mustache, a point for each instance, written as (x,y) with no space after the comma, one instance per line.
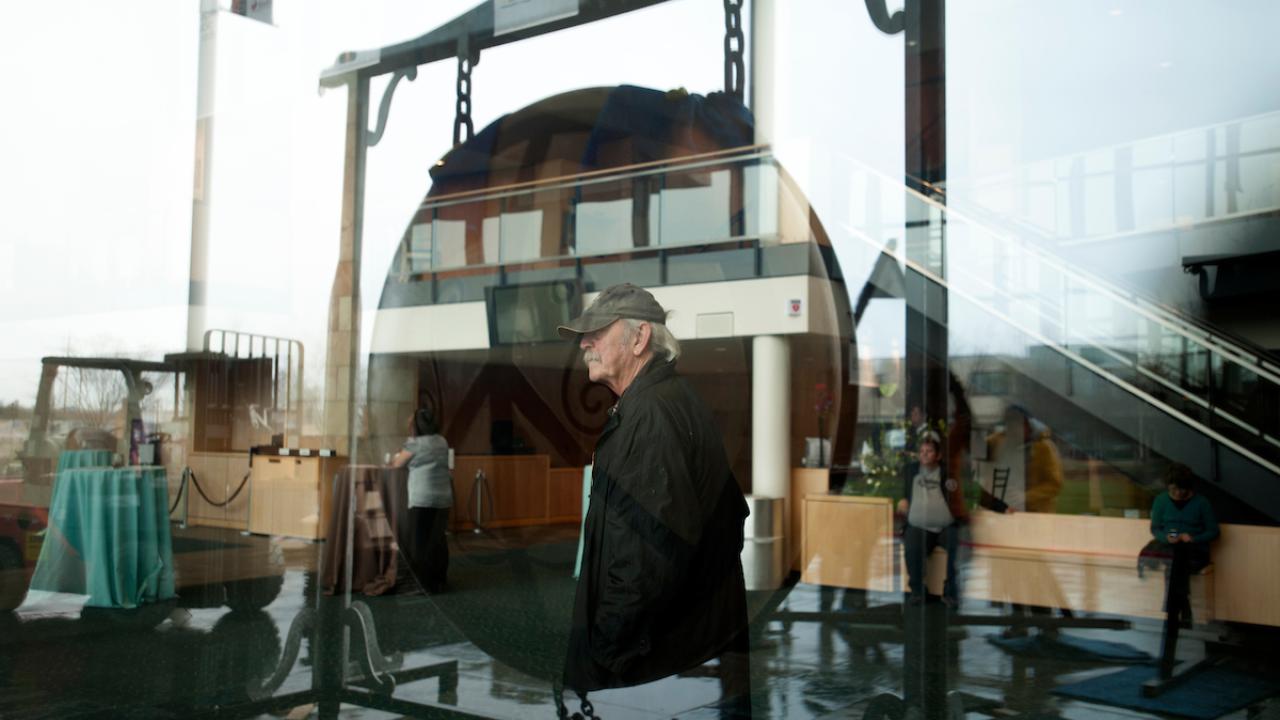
(590,357)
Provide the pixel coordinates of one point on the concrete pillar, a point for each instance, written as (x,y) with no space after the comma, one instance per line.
(770,416)
(342,366)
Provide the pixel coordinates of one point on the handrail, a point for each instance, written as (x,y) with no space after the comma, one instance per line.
(736,159)
(1079,359)
(1236,349)
(622,172)
(1262,357)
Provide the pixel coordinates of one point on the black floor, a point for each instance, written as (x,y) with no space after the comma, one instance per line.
(492,646)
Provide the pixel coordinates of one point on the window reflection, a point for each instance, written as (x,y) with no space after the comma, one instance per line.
(974,358)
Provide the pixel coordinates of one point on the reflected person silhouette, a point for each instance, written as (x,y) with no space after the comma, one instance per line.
(1027,448)
(426,452)
(661,589)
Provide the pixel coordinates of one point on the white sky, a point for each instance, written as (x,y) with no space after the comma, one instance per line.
(95,225)
(97,143)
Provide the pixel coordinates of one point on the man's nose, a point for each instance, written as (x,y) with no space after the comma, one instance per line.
(584,342)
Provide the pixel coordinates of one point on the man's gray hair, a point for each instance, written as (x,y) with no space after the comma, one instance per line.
(664,344)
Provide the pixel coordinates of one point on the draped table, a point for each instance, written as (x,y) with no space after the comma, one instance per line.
(71,459)
(370,503)
(108,537)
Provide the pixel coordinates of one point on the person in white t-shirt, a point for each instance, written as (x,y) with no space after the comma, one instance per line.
(927,502)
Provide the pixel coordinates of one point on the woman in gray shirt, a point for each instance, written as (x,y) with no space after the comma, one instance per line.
(430,496)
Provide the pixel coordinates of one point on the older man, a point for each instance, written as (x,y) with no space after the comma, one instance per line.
(661,588)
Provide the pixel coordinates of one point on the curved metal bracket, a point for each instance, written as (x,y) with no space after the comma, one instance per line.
(372,137)
(886,23)
(372,662)
(885,706)
(302,623)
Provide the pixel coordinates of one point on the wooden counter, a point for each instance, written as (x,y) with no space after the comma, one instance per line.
(290,495)
(848,542)
(804,482)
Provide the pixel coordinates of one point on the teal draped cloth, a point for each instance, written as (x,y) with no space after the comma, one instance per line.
(582,529)
(108,537)
(71,459)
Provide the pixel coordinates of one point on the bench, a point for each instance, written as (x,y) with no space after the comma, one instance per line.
(1084,563)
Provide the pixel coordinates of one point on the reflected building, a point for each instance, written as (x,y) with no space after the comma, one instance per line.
(1067,281)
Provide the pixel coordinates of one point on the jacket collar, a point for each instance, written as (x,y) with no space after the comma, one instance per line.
(653,372)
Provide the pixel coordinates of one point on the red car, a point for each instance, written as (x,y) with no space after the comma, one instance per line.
(21,535)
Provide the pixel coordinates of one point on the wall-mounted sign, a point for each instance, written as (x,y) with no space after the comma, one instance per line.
(794,306)
(513,15)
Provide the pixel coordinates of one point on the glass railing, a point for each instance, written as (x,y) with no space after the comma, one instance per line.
(1220,388)
(1194,176)
(727,204)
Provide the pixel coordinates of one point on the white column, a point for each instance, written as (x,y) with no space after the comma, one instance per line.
(770,416)
(202,196)
(761,51)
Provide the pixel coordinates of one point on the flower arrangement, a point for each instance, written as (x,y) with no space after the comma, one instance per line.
(882,470)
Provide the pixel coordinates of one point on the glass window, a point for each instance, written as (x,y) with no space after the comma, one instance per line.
(640,359)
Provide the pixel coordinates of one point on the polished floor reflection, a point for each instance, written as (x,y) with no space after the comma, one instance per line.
(492,644)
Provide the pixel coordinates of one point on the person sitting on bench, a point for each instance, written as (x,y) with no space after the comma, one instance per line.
(1182,517)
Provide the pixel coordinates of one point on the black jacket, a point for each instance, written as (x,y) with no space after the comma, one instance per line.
(661,588)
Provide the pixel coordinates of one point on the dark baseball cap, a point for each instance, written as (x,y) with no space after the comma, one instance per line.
(620,301)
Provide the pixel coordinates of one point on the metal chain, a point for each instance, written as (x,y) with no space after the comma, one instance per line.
(734,45)
(462,111)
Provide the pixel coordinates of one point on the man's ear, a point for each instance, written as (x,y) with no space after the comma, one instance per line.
(641,342)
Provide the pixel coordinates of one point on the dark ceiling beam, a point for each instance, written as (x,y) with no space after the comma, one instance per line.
(476,26)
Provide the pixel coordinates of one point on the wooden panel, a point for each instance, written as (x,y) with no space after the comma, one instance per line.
(173,457)
(1085,563)
(1122,537)
(193,501)
(292,495)
(564,495)
(1247,586)
(219,475)
(464,472)
(519,486)
(210,470)
(297,507)
(517,489)
(237,511)
(804,482)
(326,470)
(268,474)
(848,542)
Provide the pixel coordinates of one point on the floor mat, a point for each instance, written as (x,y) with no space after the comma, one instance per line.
(1208,694)
(1071,648)
(182,544)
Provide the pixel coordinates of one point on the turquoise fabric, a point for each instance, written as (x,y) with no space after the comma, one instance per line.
(108,537)
(71,459)
(1195,518)
(582,529)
